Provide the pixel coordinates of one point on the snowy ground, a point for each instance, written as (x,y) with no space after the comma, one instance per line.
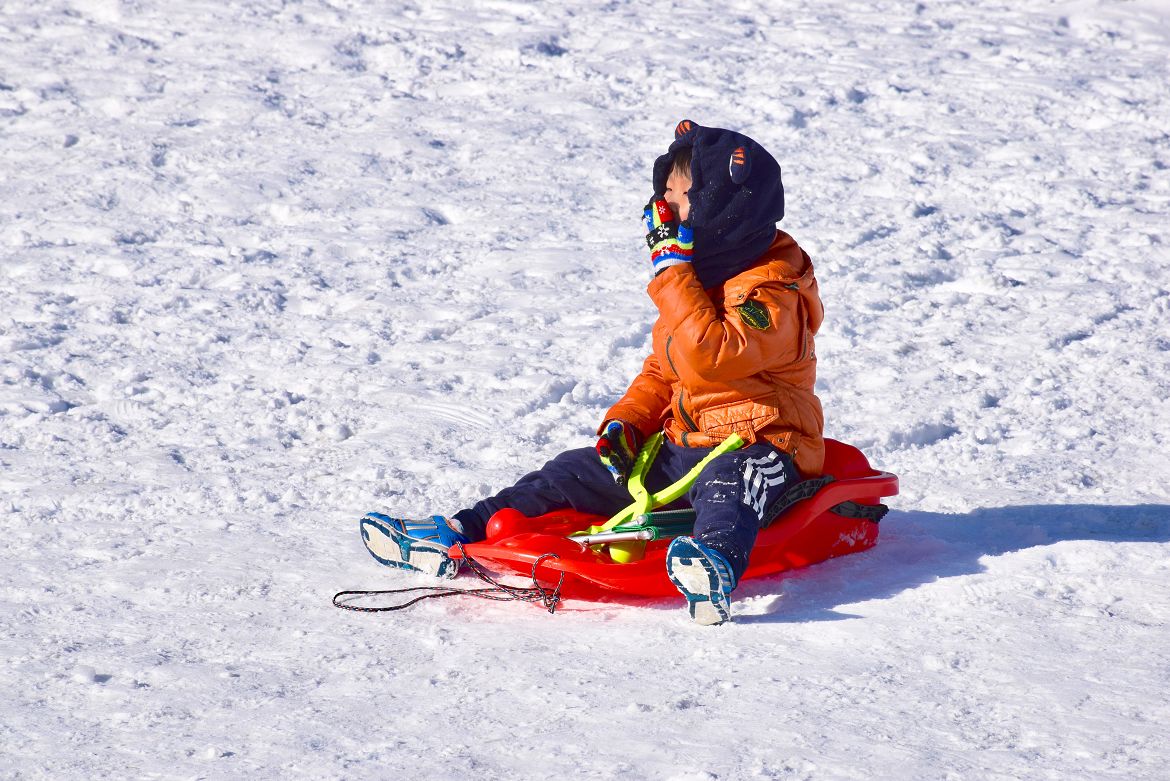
(267,265)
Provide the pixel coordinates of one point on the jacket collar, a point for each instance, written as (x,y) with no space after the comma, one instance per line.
(784,262)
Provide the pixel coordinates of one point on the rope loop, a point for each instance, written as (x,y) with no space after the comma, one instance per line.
(495,590)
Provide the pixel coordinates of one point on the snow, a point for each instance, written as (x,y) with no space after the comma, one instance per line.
(267,265)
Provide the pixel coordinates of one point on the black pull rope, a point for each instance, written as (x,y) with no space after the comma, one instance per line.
(495,591)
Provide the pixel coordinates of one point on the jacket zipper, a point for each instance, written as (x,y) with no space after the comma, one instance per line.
(690,423)
(682,413)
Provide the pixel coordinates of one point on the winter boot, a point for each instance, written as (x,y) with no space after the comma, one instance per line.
(419,545)
(704,577)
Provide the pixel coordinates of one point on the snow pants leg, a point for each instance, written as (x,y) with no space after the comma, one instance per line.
(732,495)
(575,478)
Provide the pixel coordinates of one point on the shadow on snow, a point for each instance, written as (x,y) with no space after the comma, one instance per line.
(916,548)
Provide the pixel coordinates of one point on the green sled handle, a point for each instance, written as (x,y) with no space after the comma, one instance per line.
(644,501)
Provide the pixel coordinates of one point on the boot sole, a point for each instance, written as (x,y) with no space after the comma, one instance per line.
(696,578)
(392,548)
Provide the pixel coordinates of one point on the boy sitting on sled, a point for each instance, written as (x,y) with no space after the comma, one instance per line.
(733,354)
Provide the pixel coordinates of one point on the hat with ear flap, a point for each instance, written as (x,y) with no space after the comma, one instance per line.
(736,198)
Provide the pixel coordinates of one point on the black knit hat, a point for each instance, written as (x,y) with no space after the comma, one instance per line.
(736,198)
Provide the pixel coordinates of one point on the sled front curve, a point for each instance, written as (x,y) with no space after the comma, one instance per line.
(810,531)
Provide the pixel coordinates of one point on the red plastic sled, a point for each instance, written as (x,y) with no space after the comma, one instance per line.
(823,526)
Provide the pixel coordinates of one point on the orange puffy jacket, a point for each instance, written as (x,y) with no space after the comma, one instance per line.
(737,358)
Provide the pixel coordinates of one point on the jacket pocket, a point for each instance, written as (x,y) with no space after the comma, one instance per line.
(746,417)
(806,331)
(806,343)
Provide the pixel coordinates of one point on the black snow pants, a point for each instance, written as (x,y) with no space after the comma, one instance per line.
(730,496)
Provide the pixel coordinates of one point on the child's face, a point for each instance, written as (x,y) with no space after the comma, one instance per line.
(677,194)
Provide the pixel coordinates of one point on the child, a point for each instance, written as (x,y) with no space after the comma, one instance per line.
(733,353)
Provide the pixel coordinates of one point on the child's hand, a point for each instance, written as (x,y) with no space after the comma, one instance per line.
(671,242)
(618,447)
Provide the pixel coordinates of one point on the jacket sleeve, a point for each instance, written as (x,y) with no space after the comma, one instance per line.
(646,402)
(722,347)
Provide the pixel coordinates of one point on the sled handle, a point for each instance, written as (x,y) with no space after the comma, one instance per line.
(644,502)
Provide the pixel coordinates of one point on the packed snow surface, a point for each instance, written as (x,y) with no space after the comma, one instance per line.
(265,266)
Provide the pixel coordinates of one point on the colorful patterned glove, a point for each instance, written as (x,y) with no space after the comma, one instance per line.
(618,447)
(671,242)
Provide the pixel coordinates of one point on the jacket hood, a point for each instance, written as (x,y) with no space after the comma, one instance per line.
(736,198)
